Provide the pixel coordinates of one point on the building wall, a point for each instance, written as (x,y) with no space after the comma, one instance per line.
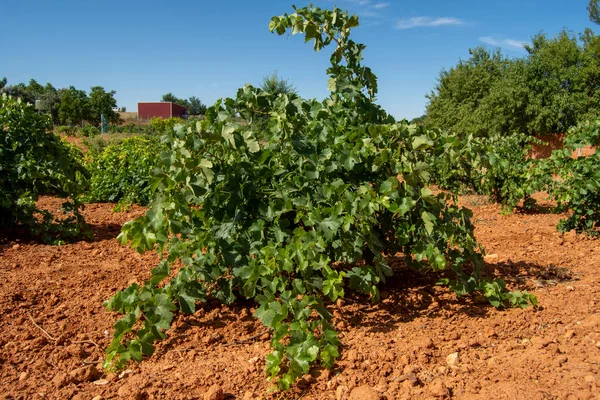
(178,111)
(150,110)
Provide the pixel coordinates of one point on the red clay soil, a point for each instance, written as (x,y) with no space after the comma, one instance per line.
(420,342)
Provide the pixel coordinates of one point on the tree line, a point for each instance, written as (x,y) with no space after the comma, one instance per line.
(550,89)
(66,106)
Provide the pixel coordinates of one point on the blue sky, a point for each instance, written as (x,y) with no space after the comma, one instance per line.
(144,49)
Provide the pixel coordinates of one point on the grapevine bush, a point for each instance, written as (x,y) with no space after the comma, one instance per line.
(293,214)
(121,172)
(577,187)
(497,166)
(33,162)
(161,125)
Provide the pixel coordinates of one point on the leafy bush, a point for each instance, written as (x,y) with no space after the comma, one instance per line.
(33,161)
(66,130)
(162,125)
(511,176)
(577,188)
(293,215)
(89,131)
(130,127)
(497,166)
(457,163)
(121,171)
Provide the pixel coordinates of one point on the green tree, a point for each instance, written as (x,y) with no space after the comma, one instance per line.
(455,101)
(195,106)
(74,106)
(2,83)
(102,102)
(34,89)
(20,91)
(170,98)
(49,99)
(557,92)
(275,85)
(548,91)
(594,10)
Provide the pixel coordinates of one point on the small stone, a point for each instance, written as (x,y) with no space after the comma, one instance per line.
(598,345)
(305,381)
(214,393)
(341,392)
(536,238)
(381,387)
(570,288)
(569,334)
(253,360)
(23,376)
(101,382)
(128,372)
(248,396)
(452,359)
(364,393)
(439,389)
(426,343)
(98,398)
(84,374)
(16,246)
(125,391)
(60,380)
(491,257)
(209,339)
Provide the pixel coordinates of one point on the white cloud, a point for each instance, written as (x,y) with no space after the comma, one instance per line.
(489,40)
(365,8)
(379,6)
(420,22)
(510,43)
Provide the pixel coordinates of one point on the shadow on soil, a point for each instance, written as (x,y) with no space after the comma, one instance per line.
(406,296)
(98,233)
(102,232)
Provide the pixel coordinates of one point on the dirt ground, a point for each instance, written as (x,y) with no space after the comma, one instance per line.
(420,342)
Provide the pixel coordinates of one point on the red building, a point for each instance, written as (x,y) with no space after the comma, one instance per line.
(161,109)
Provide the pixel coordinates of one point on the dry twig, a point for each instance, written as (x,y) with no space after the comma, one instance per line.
(49,336)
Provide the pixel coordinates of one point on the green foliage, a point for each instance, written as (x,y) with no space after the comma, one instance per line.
(510,176)
(577,188)
(74,107)
(163,125)
(121,172)
(130,127)
(102,102)
(275,85)
(545,92)
(89,131)
(292,215)
(456,100)
(193,104)
(594,10)
(34,161)
(66,130)
(497,166)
